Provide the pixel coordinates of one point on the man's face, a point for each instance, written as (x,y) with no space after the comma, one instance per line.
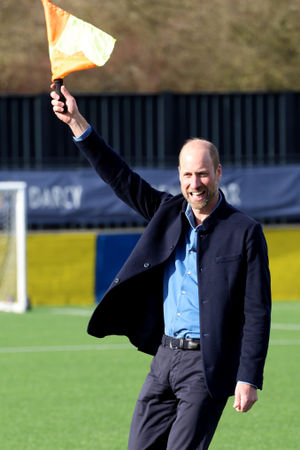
(198,179)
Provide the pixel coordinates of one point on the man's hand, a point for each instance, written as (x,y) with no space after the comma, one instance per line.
(72,116)
(245,397)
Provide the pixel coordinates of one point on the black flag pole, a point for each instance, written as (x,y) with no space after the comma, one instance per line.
(58,84)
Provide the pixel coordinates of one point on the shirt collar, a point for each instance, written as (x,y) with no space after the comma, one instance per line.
(190,215)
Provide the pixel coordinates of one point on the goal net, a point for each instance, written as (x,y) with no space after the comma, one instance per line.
(13,296)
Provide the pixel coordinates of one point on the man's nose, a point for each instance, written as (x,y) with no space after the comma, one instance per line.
(195,181)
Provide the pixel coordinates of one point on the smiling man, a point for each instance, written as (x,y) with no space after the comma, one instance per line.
(200,173)
(194,293)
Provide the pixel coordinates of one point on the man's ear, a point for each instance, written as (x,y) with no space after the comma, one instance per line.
(219,172)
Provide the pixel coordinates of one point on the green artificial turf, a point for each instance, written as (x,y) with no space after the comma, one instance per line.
(63,389)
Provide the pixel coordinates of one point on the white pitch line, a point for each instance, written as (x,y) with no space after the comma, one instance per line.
(75,348)
(285,326)
(71,312)
(65,348)
(285,342)
(83,312)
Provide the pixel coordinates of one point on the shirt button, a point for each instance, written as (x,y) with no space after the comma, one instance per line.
(183,292)
(189,272)
(178,314)
(116,280)
(146,265)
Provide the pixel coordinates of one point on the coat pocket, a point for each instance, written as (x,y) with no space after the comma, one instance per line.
(228,258)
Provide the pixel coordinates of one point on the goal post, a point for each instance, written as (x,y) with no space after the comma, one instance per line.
(13,282)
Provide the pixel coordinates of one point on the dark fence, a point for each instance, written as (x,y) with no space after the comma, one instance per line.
(148,130)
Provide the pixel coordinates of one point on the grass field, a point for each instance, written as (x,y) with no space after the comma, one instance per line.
(62,389)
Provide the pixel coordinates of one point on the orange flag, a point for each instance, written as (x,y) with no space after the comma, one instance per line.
(73,43)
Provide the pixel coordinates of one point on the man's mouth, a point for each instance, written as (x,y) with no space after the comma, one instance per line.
(197,195)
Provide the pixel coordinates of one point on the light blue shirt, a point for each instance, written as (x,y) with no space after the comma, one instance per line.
(181,299)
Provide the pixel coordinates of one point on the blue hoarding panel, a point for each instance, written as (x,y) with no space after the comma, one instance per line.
(112,250)
(81,198)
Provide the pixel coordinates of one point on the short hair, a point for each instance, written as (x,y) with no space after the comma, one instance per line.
(213,151)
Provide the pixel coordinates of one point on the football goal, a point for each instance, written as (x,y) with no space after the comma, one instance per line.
(13,295)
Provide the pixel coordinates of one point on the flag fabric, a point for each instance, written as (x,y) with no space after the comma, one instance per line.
(74,44)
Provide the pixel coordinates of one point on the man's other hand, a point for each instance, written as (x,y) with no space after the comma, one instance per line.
(245,397)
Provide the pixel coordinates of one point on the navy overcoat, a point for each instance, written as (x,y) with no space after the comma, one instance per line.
(232,269)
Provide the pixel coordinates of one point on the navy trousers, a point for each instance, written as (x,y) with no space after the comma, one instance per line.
(174,410)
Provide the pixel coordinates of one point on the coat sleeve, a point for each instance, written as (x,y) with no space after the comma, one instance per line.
(257,310)
(127,184)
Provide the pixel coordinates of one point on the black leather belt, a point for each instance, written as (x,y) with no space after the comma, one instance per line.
(180,343)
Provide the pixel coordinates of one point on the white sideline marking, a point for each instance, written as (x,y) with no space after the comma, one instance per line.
(285,326)
(65,348)
(71,312)
(284,342)
(82,312)
(74,348)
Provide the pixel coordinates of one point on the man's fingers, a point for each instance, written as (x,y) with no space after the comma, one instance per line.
(244,405)
(245,397)
(54,95)
(237,401)
(58,105)
(65,91)
(59,108)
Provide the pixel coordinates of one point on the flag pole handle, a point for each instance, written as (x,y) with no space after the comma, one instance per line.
(58,84)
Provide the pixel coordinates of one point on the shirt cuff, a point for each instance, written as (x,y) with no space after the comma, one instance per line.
(247,382)
(84,135)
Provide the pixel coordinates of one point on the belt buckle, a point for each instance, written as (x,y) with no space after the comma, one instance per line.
(192,345)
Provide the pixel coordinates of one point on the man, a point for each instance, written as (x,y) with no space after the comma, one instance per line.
(195,292)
